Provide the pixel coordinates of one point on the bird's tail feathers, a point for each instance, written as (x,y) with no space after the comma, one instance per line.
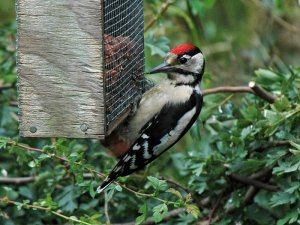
(105,184)
(114,174)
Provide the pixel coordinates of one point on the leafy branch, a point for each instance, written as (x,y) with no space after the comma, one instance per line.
(46,209)
(13,143)
(31,179)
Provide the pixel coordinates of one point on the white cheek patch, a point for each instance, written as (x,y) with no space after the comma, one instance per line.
(195,64)
(173,135)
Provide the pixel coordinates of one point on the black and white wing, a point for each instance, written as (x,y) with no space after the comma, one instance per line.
(158,135)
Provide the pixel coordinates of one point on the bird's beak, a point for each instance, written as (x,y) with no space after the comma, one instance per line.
(161,68)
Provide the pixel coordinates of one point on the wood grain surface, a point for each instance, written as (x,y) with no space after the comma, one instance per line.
(60,68)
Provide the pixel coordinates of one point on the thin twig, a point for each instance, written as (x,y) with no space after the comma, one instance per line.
(29,179)
(272,144)
(231,89)
(13,103)
(162,10)
(289,27)
(171,181)
(256,183)
(286,25)
(106,209)
(261,173)
(248,198)
(17,180)
(72,219)
(252,88)
(250,194)
(6,87)
(259,91)
(216,206)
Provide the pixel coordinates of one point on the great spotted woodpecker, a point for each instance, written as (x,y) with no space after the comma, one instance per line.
(165,112)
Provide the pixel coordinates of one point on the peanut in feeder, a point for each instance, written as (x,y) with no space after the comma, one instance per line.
(80,65)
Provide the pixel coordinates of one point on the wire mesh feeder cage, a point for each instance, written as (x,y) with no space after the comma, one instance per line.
(124,56)
(80,65)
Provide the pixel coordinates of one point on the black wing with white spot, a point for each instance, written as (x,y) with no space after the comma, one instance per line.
(157,136)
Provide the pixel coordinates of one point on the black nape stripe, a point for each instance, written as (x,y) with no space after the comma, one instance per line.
(198,76)
(191,53)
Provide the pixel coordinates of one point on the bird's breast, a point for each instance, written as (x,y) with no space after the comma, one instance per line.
(152,103)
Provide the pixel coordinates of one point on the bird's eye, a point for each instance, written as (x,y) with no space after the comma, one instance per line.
(182,60)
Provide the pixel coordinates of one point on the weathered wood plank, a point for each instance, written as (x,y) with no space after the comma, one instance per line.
(60,68)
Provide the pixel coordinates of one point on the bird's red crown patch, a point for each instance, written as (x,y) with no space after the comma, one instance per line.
(183,49)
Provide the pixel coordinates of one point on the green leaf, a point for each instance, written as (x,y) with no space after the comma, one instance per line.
(4,141)
(159,212)
(21,154)
(157,184)
(295,145)
(144,211)
(289,218)
(193,210)
(110,192)
(32,164)
(11,193)
(96,216)
(118,188)
(44,156)
(198,168)
(259,215)
(26,192)
(73,157)
(175,192)
(19,205)
(247,167)
(282,104)
(48,202)
(295,151)
(67,199)
(264,76)
(208,110)
(282,198)
(158,46)
(91,190)
(291,164)
(3,192)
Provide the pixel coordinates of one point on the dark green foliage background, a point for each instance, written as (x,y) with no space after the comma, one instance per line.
(236,135)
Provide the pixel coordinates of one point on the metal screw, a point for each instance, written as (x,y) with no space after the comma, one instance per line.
(33,129)
(84,127)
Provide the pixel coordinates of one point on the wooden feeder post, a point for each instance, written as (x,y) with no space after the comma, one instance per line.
(80,65)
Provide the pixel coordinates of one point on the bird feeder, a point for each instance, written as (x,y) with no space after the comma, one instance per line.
(80,65)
